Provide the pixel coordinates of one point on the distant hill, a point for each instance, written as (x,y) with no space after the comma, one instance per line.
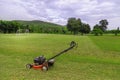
(37,26)
(38,23)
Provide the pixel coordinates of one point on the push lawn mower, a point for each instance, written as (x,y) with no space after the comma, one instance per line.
(44,64)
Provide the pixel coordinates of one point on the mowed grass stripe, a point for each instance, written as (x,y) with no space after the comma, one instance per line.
(107,42)
(21,43)
(86,62)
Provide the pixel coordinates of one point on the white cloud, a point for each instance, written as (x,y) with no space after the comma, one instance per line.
(58,11)
(10,12)
(114,23)
(52,13)
(106,4)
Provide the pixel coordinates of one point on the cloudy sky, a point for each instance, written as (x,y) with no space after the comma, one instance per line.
(58,11)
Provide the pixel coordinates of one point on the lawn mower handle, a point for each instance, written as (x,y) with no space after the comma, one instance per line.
(72,45)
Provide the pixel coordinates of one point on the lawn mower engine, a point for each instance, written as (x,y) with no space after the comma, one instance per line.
(44,64)
(42,60)
(41,63)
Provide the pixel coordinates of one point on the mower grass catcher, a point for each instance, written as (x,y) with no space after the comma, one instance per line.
(42,63)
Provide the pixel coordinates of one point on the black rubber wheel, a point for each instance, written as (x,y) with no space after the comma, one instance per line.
(28,66)
(44,68)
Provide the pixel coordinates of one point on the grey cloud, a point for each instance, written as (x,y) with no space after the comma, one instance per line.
(58,11)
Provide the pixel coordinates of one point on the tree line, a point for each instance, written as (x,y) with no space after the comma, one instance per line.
(18,27)
(101,28)
(73,26)
(12,27)
(76,26)
(47,29)
(8,26)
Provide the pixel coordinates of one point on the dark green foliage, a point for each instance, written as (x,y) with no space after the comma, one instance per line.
(103,25)
(85,28)
(8,26)
(75,25)
(30,26)
(117,31)
(97,31)
(43,27)
(114,31)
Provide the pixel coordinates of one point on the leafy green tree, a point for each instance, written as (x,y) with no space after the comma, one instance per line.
(116,31)
(14,26)
(96,30)
(84,28)
(103,25)
(3,26)
(73,25)
(8,26)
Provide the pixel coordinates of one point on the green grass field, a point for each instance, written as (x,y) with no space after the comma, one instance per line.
(95,58)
